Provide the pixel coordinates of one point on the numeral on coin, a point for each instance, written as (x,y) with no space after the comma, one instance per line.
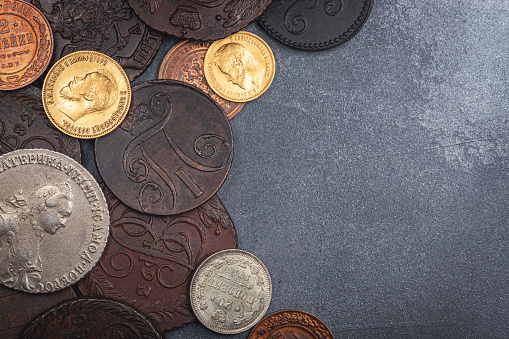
(4,23)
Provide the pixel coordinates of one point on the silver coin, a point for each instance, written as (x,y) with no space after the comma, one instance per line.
(54,221)
(230,291)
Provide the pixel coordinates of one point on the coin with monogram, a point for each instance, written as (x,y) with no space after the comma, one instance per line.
(171,153)
(26,44)
(90,318)
(53,221)
(18,309)
(24,124)
(184,62)
(291,324)
(230,291)
(199,19)
(149,260)
(109,27)
(315,24)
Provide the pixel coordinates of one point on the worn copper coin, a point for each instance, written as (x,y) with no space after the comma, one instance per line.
(171,153)
(26,44)
(291,324)
(17,309)
(199,19)
(149,260)
(24,124)
(314,24)
(109,27)
(184,62)
(90,318)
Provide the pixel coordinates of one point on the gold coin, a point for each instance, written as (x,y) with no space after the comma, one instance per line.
(86,94)
(240,67)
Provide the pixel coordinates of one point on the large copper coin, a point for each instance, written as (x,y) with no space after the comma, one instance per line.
(171,153)
(199,19)
(26,44)
(18,309)
(291,324)
(148,261)
(90,318)
(184,62)
(109,27)
(24,124)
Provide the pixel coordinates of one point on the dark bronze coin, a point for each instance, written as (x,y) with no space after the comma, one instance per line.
(291,324)
(109,27)
(149,261)
(24,124)
(315,24)
(171,153)
(199,19)
(18,309)
(90,318)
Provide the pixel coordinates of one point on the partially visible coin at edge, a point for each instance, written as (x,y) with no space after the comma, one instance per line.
(291,324)
(90,318)
(184,62)
(26,44)
(230,291)
(54,221)
(240,67)
(86,94)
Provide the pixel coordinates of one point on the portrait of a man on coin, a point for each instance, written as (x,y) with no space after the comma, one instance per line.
(239,66)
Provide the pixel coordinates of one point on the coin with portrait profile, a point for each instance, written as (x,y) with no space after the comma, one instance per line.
(240,67)
(86,94)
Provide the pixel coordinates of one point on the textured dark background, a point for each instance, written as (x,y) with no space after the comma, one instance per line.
(372,178)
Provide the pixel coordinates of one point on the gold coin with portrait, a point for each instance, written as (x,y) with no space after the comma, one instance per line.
(86,94)
(240,67)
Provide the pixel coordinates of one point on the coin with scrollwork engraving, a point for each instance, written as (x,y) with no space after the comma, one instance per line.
(90,318)
(53,221)
(230,291)
(149,260)
(171,153)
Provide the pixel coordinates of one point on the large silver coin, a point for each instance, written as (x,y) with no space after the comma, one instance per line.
(230,291)
(54,221)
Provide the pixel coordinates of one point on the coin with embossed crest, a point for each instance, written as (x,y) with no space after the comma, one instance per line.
(184,62)
(26,44)
(90,318)
(53,221)
(230,291)
(291,324)
(149,260)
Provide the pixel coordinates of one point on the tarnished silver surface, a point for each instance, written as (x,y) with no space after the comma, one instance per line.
(54,221)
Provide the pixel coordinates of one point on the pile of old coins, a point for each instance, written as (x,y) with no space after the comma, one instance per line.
(152,247)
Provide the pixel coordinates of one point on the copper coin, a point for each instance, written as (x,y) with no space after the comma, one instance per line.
(24,124)
(109,27)
(18,309)
(26,44)
(90,318)
(199,19)
(184,62)
(291,324)
(171,153)
(149,260)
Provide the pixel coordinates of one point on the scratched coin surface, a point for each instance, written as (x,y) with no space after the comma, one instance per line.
(240,67)
(53,221)
(199,19)
(109,27)
(315,24)
(90,318)
(171,153)
(291,324)
(24,124)
(26,44)
(86,94)
(230,291)
(184,62)
(149,260)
